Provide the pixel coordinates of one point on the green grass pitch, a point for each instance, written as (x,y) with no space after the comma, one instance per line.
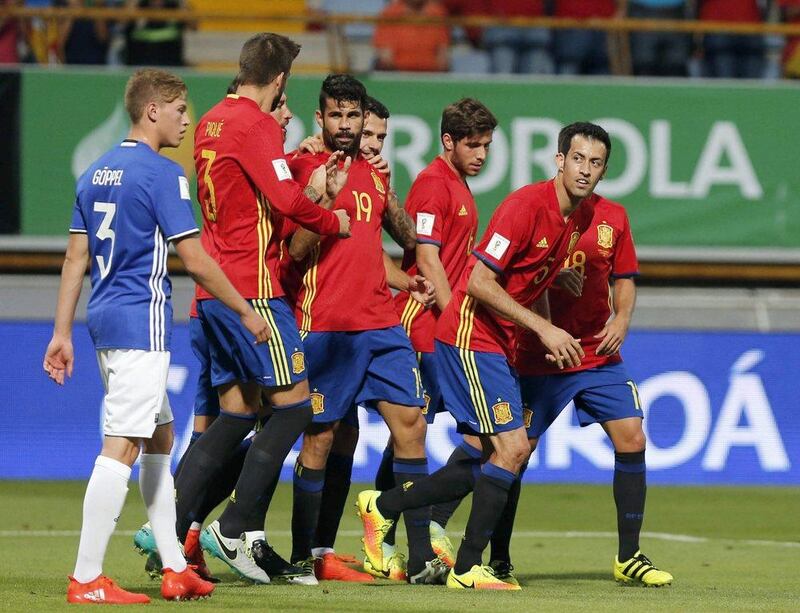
(729,549)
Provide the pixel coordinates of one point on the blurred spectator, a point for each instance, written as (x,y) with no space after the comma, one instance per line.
(154,42)
(417,47)
(10,33)
(583,51)
(82,41)
(791,52)
(732,56)
(663,54)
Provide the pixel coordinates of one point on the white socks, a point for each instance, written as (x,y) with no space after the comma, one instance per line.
(318,552)
(102,504)
(158,493)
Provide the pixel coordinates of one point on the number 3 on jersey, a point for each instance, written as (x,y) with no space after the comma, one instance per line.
(104,232)
(210,203)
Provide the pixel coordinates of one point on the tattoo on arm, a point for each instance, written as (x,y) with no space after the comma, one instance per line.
(399,224)
(311,193)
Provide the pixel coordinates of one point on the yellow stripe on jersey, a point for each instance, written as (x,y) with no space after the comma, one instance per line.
(410,311)
(264,229)
(276,349)
(466,318)
(310,286)
(476,390)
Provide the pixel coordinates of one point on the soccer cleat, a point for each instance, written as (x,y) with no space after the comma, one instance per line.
(185,585)
(375,526)
(639,569)
(346,558)
(443,548)
(330,568)
(433,573)
(478,578)
(145,543)
(279,569)
(102,590)
(194,556)
(504,571)
(236,553)
(395,565)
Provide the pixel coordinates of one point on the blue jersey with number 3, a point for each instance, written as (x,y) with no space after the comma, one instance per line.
(130,203)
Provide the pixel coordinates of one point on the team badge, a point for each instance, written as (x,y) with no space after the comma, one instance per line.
(462,212)
(378,183)
(298,362)
(605,236)
(427,403)
(527,417)
(317,403)
(502,413)
(573,240)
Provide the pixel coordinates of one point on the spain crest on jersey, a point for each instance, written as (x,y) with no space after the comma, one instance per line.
(378,183)
(298,362)
(527,417)
(573,240)
(427,404)
(317,403)
(502,413)
(605,236)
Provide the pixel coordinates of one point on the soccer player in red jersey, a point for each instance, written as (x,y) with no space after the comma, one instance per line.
(245,188)
(358,353)
(529,235)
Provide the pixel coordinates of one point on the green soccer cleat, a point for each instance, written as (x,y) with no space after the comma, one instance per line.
(145,543)
(640,570)
(504,571)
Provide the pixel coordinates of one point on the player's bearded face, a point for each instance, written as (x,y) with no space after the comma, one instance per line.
(173,118)
(342,123)
(470,153)
(583,166)
(373,136)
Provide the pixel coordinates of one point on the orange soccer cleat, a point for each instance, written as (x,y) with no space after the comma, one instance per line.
(102,590)
(194,556)
(330,568)
(186,585)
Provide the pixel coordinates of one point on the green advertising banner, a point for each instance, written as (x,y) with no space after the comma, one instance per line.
(695,164)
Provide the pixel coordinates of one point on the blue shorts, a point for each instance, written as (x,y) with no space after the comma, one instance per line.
(350,368)
(433,395)
(206,399)
(236,357)
(480,389)
(601,394)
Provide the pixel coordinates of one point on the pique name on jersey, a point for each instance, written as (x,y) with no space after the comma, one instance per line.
(107,176)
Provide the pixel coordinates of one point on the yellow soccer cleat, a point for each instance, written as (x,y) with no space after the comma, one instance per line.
(395,565)
(375,527)
(478,578)
(442,546)
(640,570)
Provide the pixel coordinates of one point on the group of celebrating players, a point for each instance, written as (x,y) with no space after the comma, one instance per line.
(295,326)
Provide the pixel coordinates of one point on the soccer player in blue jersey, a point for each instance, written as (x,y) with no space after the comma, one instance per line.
(130,204)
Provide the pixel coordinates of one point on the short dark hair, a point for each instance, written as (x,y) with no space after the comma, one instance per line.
(148,85)
(264,56)
(375,106)
(467,117)
(342,88)
(233,86)
(583,128)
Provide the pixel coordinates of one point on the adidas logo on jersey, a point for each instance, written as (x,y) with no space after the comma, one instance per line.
(463,211)
(543,243)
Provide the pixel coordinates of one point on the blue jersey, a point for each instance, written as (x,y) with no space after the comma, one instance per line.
(130,203)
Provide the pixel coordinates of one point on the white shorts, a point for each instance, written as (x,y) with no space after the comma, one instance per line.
(136,391)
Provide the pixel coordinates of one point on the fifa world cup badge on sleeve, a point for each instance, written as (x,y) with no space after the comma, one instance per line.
(502,413)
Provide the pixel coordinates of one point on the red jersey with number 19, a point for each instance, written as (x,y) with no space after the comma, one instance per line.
(604,251)
(526,236)
(243,185)
(444,211)
(341,285)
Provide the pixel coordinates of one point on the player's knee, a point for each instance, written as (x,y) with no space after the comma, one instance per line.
(631,442)
(317,442)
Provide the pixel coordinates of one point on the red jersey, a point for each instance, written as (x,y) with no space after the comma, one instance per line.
(243,184)
(730,10)
(341,285)
(526,236)
(444,211)
(603,252)
(585,9)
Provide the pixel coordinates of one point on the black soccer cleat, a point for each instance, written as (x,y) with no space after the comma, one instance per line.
(278,569)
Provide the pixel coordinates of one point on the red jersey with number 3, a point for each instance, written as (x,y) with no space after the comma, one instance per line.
(605,251)
(341,285)
(525,242)
(244,186)
(444,211)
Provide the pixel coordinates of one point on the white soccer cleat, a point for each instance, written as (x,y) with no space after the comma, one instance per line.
(236,553)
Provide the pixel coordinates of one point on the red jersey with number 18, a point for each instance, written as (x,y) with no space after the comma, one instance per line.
(341,285)
(444,211)
(243,185)
(603,252)
(526,237)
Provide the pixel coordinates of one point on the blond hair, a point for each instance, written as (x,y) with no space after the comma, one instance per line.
(151,85)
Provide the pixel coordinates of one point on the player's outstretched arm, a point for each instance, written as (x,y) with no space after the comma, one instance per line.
(59,357)
(206,272)
(432,269)
(615,331)
(484,288)
(398,223)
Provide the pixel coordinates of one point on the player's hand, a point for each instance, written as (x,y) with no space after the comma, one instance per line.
(336,177)
(563,349)
(422,290)
(613,335)
(381,165)
(318,179)
(310,144)
(257,326)
(59,359)
(570,280)
(344,223)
